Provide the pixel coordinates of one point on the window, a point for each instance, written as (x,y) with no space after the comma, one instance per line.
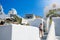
(29,16)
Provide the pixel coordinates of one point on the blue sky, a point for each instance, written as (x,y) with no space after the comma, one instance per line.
(25,6)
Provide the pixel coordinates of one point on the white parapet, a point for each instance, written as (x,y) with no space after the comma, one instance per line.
(51,34)
(57,27)
(19,32)
(6,32)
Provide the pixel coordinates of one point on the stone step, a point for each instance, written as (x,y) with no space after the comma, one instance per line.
(57,37)
(44,37)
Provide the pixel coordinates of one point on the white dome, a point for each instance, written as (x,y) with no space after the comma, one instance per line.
(13,11)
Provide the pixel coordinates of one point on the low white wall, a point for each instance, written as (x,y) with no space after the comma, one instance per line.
(36,22)
(51,34)
(57,25)
(6,32)
(19,32)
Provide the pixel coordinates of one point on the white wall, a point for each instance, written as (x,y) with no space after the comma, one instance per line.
(25,33)
(6,32)
(57,25)
(51,34)
(19,32)
(36,22)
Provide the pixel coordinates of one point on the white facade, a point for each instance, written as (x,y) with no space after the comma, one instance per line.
(33,21)
(19,32)
(27,19)
(54,32)
(57,25)
(2,14)
(10,14)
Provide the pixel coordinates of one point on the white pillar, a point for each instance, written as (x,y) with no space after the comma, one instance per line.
(48,19)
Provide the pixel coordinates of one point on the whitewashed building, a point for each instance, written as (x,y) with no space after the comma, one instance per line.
(27,18)
(2,14)
(32,20)
(10,14)
(52,7)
